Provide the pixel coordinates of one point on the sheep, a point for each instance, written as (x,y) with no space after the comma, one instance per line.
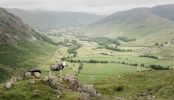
(57,67)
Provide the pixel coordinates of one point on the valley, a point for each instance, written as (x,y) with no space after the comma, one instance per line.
(127,55)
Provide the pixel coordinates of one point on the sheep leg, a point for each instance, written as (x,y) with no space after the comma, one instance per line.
(50,72)
(60,73)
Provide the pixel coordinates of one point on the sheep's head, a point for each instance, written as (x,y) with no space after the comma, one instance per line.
(64,63)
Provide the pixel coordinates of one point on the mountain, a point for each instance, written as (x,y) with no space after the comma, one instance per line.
(19,45)
(44,20)
(165,11)
(148,25)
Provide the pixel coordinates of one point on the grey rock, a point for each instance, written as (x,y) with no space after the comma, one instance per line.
(8,85)
(37,74)
(27,75)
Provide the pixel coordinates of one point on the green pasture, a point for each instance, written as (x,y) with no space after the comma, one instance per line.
(94,72)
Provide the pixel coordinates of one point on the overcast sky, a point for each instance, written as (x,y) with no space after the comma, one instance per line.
(89,6)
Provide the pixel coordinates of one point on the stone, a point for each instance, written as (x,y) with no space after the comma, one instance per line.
(19,78)
(32,82)
(37,74)
(58,92)
(27,75)
(36,93)
(13,79)
(88,89)
(119,98)
(98,94)
(8,85)
(45,80)
(84,96)
(72,81)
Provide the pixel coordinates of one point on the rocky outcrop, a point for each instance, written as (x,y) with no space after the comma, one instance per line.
(59,84)
(10,83)
(70,82)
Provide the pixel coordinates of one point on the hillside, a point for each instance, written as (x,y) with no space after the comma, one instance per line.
(145,24)
(164,11)
(153,85)
(44,20)
(19,45)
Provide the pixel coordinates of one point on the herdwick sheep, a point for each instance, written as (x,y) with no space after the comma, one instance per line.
(57,67)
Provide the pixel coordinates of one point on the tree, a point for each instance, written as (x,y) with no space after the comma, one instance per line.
(80,66)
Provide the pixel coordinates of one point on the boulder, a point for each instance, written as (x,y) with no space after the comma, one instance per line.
(119,98)
(32,82)
(37,74)
(150,97)
(75,85)
(84,96)
(45,80)
(55,83)
(58,92)
(27,75)
(72,82)
(19,78)
(13,79)
(88,89)
(36,93)
(8,85)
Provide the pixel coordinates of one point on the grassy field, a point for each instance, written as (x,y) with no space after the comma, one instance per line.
(138,85)
(97,72)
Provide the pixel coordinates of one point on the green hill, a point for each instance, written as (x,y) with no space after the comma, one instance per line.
(141,23)
(45,20)
(164,11)
(151,85)
(19,45)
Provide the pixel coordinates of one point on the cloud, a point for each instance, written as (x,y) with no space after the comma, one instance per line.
(90,6)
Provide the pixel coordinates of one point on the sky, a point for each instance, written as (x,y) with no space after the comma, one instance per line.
(102,7)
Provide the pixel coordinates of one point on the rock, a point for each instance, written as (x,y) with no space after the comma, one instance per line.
(36,93)
(19,78)
(76,86)
(54,82)
(84,96)
(58,96)
(45,80)
(37,74)
(150,97)
(72,81)
(8,85)
(28,75)
(13,79)
(79,89)
(32,82)
(58,92)
(88,89)
(98,94)
(119,98)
